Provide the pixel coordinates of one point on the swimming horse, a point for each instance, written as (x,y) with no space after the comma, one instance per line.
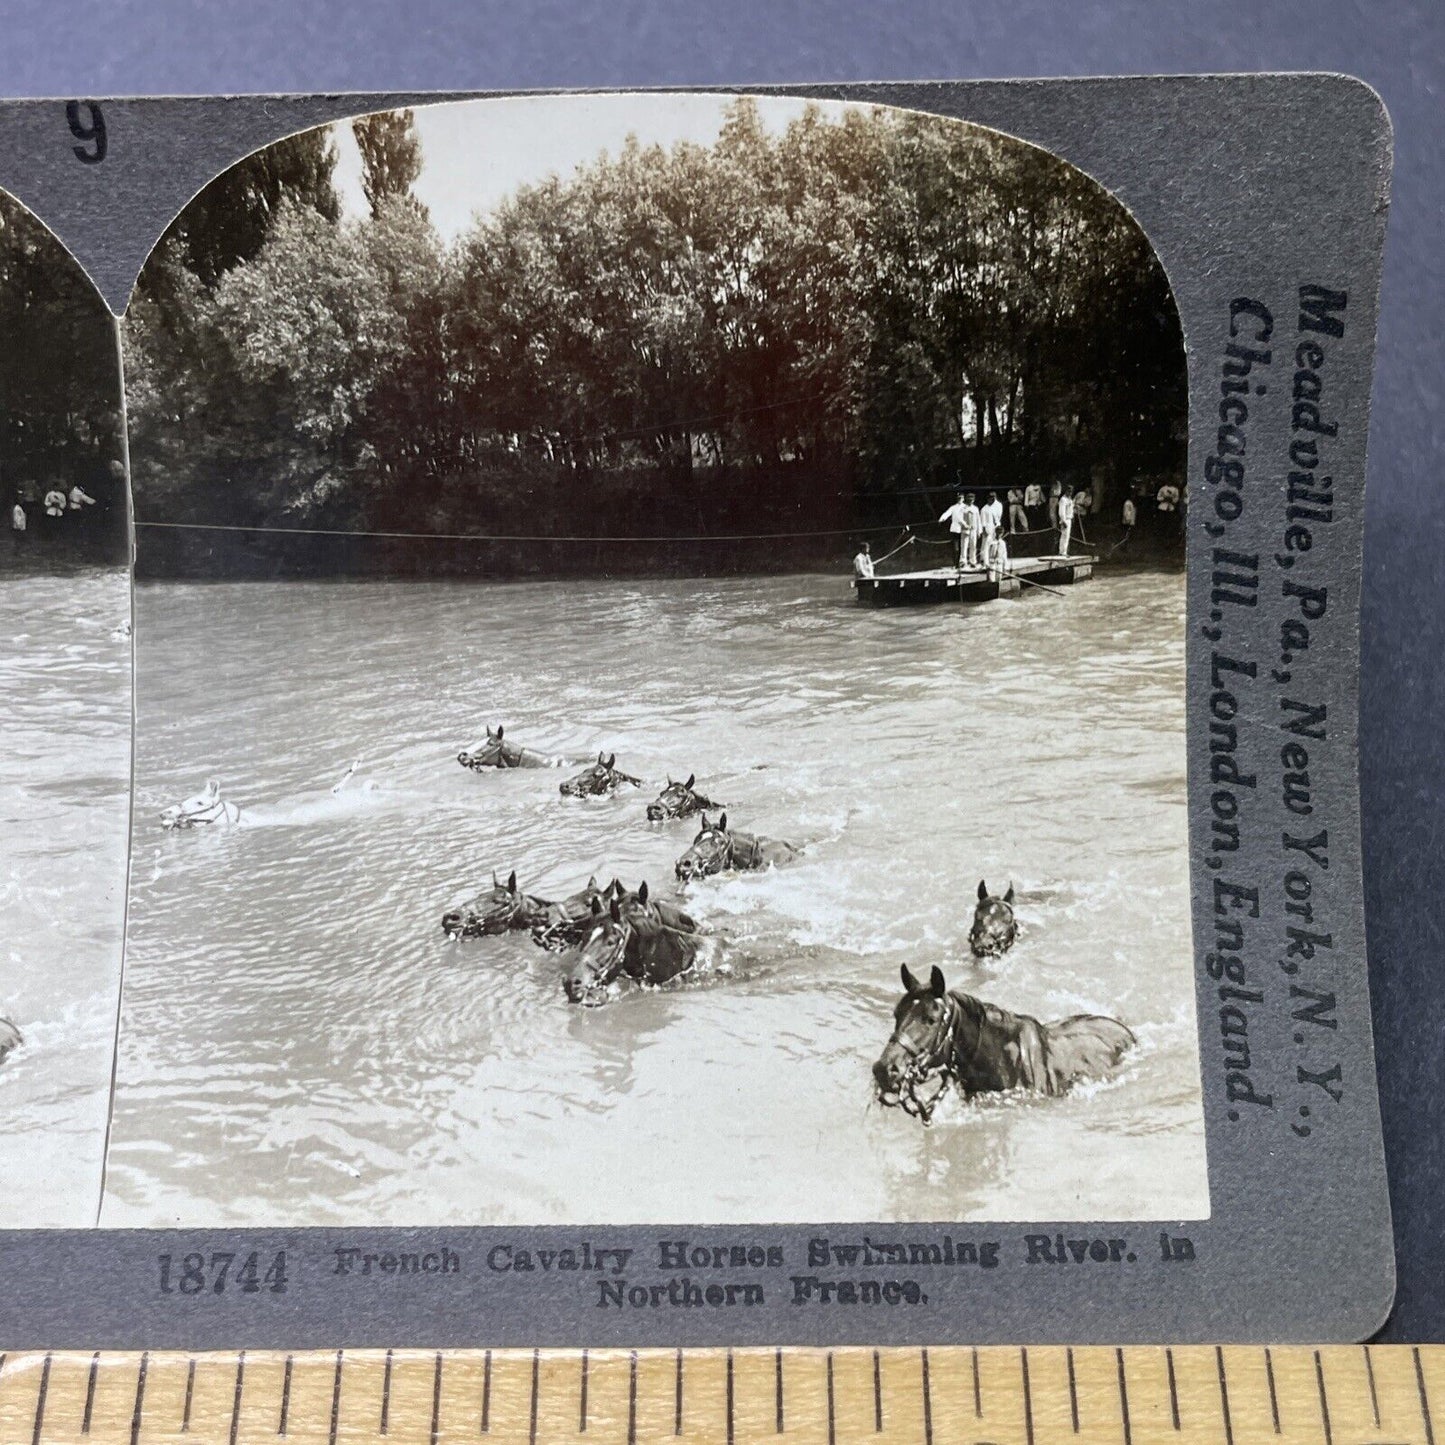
(994,925)
(943,1037)
(636,939)
(677,800)
(504,908)
(496,752)
(598,781)
(207,806)
(10,1038)
(717,849)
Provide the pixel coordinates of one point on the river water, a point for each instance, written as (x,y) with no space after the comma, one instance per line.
(301,1045)
(64,808)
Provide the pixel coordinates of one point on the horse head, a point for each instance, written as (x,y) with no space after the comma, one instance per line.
(492,753)
(676,800)
(497,909)
(602,958)
(596,781)
(709,851)
(199,807)
(994,926)
(912,1070)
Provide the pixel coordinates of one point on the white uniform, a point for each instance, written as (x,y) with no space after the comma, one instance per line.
(1066,523)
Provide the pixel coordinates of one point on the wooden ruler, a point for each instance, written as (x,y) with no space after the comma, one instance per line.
(1138,1395)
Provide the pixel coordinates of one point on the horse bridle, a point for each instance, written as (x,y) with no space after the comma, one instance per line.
(933,1057)
(618,957)
(520,907)
(723,856)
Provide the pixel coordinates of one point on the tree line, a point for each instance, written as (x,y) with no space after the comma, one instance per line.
(803,332)
(60,402)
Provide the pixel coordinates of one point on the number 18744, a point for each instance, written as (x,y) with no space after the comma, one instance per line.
(219,1271)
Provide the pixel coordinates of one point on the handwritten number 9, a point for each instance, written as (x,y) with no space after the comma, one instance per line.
(90,130)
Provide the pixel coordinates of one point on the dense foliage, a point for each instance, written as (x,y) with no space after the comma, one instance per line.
(60,412)
(797,332)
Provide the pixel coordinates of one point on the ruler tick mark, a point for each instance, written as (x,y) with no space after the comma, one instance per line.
(140,1395)
(1324,1400)
(89,1392)
(778,1390)
(285,1418)
(40,1403)
(1273,1396)
(386,1396)
(1224,1396)
(730,1397)
(582,1405)
(1374,1397)
(877,1395)
(832,1427)
(486,1392)
(927,1404)
(536,1373)
(977,1389)
(677,1399)
(436,1399)
(1124,1399)
(1073,1393)
(1173,1389)
(235,1399)
(190,1394)
(335,1400)
(1424,1400)
(632,1398)
(1029,1398)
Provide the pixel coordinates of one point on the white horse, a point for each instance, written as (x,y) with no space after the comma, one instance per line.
(207,806)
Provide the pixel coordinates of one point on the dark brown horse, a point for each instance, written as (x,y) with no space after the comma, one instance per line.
(942,1037)
(719,849)
(601,779)
(504,908)
(677,800)
(994,925)
(496,752)
(633,939)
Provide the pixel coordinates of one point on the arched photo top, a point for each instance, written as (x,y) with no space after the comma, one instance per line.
(63,493)
(564,334)
(65,696)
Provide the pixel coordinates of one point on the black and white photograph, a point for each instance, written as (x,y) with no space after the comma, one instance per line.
(65,697)
(659,680)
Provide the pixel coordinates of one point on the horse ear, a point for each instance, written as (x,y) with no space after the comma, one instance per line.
(691,779)
(910,984)
(1009,896)
(982,890)
(642,892)
(495,884)
(612,760)
(722,824)
(512,882)
(936,985)
(669,780)
(599,758)
(616,912)
(596,907)
(592,884)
